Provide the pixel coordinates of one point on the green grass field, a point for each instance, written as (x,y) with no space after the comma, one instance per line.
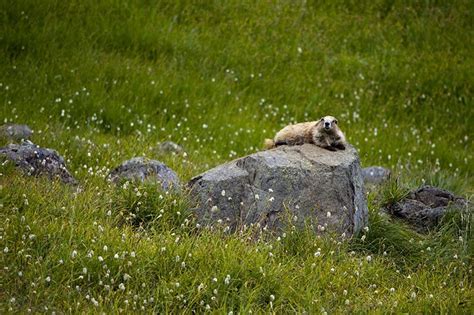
(104,81)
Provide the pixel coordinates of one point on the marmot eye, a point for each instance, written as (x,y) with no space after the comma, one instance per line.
(335,121)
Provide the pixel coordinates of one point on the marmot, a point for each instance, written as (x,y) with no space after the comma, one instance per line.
(324,133)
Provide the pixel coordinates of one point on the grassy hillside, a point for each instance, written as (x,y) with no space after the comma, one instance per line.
(103,81)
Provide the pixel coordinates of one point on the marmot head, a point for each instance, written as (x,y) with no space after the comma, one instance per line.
(328,123)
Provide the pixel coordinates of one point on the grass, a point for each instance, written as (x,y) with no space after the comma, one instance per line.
(104,81)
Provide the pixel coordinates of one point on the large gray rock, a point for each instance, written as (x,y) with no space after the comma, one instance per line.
(424,208)
(375,174)
(14,132)
(313,184)
(143,169)
(34,160)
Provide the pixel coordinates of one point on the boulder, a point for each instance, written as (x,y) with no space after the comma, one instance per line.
(305,183)
(14,132)
(375,174)
(34,160)
(424,208)
(143,169)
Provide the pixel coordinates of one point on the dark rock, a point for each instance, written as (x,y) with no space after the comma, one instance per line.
(143,169)
(14,132)
(313,184)
(169,147)
(424,207)
(34,160)
(375,174)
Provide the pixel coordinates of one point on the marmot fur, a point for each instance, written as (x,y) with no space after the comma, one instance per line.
(324,133)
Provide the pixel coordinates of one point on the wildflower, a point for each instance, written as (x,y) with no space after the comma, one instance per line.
(200,287)
(369,258)
(392,290)
(122,286)
(95,302)
(48,279)
(227,279)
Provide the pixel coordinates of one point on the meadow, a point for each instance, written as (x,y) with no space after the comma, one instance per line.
(104,81)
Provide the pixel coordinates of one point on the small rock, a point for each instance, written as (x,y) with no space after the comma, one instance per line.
(143,169)
(170,147)
(34,160)
(315,185)
(14,132)
(423,208)
(375,174)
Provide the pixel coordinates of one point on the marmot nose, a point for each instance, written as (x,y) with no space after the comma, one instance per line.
(326,124)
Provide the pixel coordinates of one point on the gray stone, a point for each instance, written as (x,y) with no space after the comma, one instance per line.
(424,208)
(306,182)
(14,132)
(34,160)
(375,174)
(168,147)
(143,169)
